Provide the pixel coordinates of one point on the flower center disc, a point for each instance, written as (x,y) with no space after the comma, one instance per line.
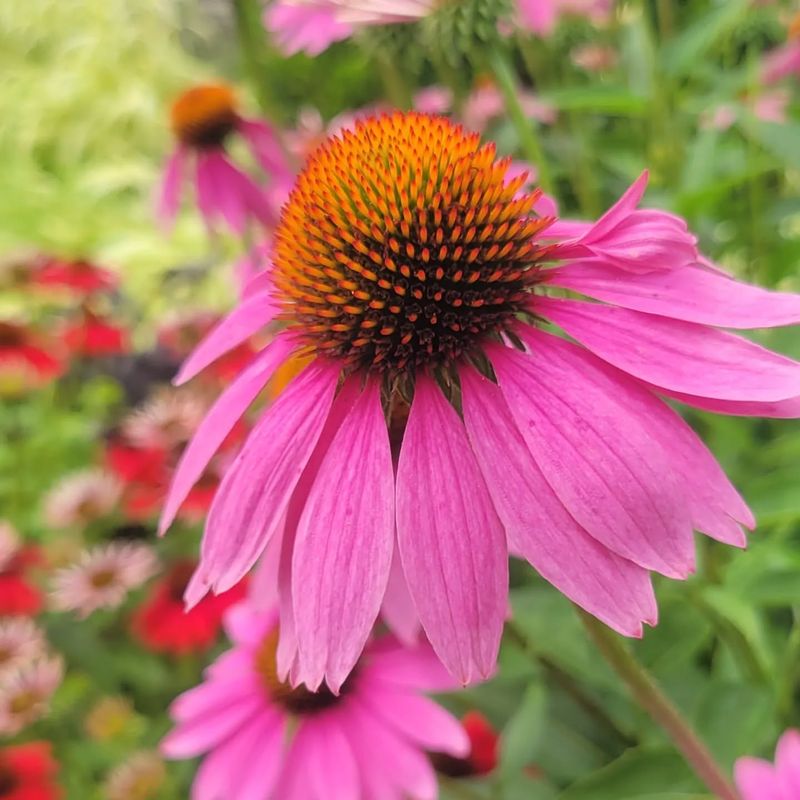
(403,244)
(204,115)
(299,700)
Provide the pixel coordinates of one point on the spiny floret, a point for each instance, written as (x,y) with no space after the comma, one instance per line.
(402,244)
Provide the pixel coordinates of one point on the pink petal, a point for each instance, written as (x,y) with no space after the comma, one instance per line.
(405,767)
(420,720)
(263,587)
(782,409)
(205,188)
(226,198)
(537,16)
(787,763)
(220,773)
(451,542)
(599,460)
(692,294)
(246,319)
(261,767)
(756,780)
(344,545)
(294,779)
(714,502)
(404,667)
(287,644)
(170,194)
(219,422)
(538,526)
(332,767)
(265,145)
(677,356)
(209,697)
(625,206)
(191,738)
(252,498)
(398,611)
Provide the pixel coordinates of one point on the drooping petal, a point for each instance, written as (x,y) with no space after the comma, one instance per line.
(344,545)
(756,780)
(219,422)
(539,528)
(252,498)
(246,319)
(622,209)
(205,700)
(404,667)
(677,356)
(691,293)
(170,195)
(600,461)
(780,409)
(260,769)
(451,541)
(287,655)
(715,505)
(265,145)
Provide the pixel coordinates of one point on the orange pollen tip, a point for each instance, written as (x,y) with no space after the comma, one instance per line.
(203,116)
(794,27)
(402,245)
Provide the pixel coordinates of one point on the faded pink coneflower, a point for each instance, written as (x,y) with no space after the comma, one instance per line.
(542,16)
(21,641)
(140,777)
(757,779)
(261,737)
(25,693)
(203,119)
(102,577)
(81,498)
(166,420)
(413,272)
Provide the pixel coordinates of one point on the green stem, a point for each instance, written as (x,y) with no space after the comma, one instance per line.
(666,18)
(397,90)
(566,682)
(254,47)
(788,680)
(649,695)
(526,128)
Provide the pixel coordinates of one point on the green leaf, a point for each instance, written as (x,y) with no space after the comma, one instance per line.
(599,99)
(640,774)
(781,140)
(522,733)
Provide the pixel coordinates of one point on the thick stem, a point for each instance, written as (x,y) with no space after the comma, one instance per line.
(526,128)
(649,695)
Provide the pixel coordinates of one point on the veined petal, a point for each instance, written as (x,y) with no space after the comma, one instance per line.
(451,541)
(253,496)
(539,528)
(677,356)
(219,422)
(599,460)
(343,549)
(625,206)
(287,660)
(246,319)
(716,507)
(693,294)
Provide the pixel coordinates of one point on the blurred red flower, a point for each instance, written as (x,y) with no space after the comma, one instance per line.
(92,336)
(162,624)
(27,772)
(80,276)
(27,359)
(18,596)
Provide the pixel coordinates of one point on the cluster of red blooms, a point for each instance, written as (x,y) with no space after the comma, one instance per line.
(28,772)
(31,357)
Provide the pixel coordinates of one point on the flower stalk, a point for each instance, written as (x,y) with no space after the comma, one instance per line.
(526,128)
(649,695)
